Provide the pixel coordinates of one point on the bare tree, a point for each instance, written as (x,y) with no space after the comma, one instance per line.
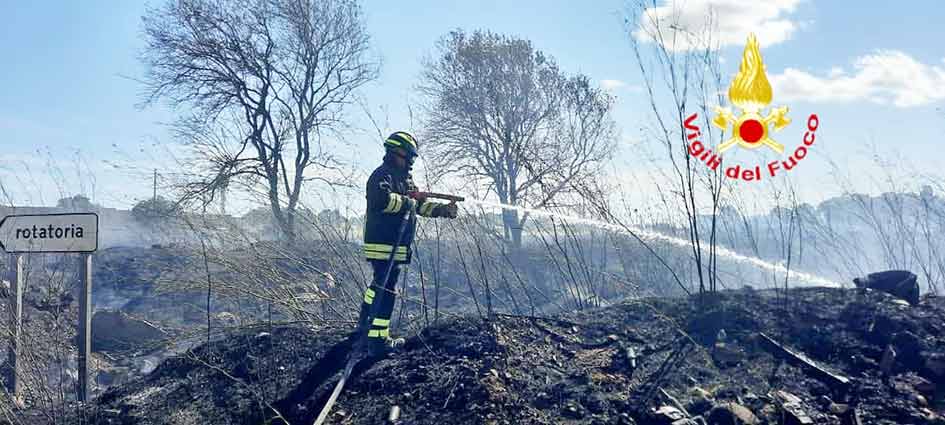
(501,114)
(266,81)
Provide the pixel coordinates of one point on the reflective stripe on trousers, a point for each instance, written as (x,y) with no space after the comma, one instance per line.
(384,295)
(378,251)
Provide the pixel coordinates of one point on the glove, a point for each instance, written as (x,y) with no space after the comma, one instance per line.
(450,210)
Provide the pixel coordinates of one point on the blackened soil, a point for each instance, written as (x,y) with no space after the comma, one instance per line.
(574,369)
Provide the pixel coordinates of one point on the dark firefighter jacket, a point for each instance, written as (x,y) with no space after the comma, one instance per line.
(387,190)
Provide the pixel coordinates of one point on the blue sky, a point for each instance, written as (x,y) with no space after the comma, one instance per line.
(875,75)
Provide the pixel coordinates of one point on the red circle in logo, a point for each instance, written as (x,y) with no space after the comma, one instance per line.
(751,131)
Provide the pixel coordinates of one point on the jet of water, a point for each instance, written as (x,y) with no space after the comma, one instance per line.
(657,236)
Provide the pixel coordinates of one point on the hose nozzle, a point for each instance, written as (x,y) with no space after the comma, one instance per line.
(434,195)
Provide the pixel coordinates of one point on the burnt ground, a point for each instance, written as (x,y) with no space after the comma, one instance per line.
(574,369)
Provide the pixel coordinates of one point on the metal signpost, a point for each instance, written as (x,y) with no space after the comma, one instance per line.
(16,319)
(50,233)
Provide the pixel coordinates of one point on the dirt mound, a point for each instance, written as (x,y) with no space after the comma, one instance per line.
(607,366)
(116,331)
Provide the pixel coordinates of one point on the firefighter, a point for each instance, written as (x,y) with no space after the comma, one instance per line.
(391,195)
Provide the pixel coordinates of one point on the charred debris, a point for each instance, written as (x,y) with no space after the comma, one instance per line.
(805,356)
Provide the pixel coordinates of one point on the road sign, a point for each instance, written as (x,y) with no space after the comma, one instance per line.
(38,233)
(49,233)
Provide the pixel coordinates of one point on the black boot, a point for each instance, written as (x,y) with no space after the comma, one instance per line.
(381,347)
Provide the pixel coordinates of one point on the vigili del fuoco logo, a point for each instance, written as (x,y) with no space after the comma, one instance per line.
(750,127)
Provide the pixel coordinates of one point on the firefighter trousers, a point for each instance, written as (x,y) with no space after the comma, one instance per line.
(383,294)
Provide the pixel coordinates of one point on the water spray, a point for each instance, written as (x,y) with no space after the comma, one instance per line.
(653,235)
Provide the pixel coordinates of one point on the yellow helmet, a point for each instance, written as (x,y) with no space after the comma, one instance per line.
(403,140)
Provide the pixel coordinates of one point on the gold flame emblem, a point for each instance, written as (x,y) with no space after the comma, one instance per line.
(751,92)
